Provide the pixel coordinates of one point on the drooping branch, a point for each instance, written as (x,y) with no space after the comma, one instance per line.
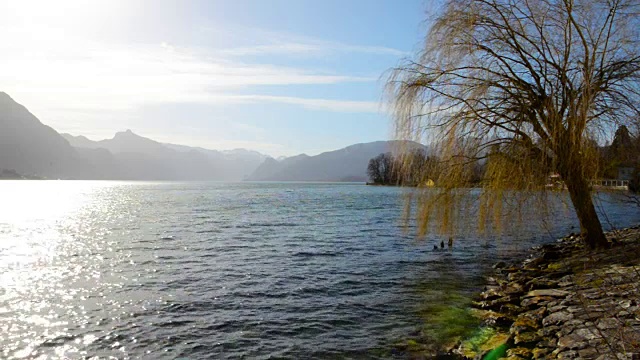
(533,80)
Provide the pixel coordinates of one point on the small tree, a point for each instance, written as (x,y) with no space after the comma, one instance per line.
(373,170)
(415,168)
(382,169)
(537,81)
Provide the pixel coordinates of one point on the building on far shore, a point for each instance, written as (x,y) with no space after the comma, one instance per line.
(626,173)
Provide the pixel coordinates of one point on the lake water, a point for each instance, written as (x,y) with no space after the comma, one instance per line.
(213,270)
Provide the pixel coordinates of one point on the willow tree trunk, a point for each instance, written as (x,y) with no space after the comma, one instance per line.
(590,226)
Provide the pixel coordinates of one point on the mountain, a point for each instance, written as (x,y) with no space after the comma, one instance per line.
(31,148)
(142,158)
(122,142)
(237,164)
(272,168)
(347,164)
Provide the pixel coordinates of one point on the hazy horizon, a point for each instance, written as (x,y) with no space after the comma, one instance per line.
(98,139)
(272,77)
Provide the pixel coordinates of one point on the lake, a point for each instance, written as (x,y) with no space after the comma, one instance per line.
(229,270)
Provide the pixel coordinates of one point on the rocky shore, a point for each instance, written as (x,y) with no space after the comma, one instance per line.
(563,302)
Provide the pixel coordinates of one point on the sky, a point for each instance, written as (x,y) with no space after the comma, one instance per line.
(282,77)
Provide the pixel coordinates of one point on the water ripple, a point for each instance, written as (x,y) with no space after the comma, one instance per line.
(207,270)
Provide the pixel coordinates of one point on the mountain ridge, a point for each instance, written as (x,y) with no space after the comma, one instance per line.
(346,164)
(30,147)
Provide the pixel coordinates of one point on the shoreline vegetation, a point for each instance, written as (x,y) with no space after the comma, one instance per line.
(565,301)
(8,174)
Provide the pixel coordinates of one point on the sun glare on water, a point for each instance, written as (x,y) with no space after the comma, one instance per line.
(39,225)
(32,214)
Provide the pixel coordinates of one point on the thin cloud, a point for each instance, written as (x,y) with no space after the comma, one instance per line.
(86,76)
(268,42)
(309,103)
(308,49)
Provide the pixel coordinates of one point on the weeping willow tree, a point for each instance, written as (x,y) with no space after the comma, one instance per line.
(524,88)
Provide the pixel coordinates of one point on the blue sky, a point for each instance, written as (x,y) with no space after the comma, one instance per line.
(281,77)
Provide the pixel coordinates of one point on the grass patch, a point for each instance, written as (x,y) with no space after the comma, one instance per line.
(448,318)
(483,340)
(497,353)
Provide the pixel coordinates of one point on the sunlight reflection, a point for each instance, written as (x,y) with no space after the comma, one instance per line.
(32,213)
(40,226)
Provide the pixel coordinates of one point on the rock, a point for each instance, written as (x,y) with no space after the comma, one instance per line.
(608,323)
(497,303)
(565,330)
(510,309)
(527,337)
(625,304)
(555,308)
(592,294)
(597,343)
(547,343)
(540,353)
(575,309)
(565,281)
(557,318)
(558,274)
(520,352)
(534,263)
(491,294)
(572,342)
(624,314)
(535,301)
(598,308)
(490,317)
(514,288)
(536,315)
(540,283)
(571,354)
(523,323)
(515,276)
(606,357)
(551,254)
(570,325)
(549,330)
(547,292)
(500,265)
(588,353)
(562,310)
(589,316)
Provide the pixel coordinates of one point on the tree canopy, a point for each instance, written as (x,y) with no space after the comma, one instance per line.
(527,87)
(414,168)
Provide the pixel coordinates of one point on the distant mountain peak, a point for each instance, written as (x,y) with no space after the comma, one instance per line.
(30,147)
(67,135)
(349,163)
(126,133)
(8,101)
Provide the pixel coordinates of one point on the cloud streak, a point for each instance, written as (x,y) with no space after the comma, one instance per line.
(69,74)
(314,48)
(333,105)
(267,42)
